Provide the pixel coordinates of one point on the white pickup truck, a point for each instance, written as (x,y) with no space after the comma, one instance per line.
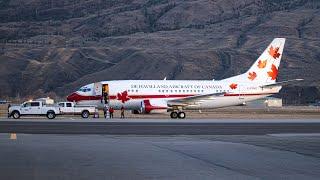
(72,109)
(38,108)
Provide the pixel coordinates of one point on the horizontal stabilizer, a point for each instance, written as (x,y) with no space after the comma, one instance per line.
(282,83)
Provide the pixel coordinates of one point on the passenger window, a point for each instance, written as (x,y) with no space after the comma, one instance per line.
(61,104)
(35,104)
(69,105)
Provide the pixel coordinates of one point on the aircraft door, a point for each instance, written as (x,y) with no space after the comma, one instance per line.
(105,93)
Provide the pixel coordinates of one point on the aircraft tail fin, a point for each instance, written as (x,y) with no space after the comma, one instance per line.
(265,69)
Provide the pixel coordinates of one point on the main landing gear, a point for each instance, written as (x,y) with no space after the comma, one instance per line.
(180,115)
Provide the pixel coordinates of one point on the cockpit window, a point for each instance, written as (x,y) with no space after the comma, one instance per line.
(84,89)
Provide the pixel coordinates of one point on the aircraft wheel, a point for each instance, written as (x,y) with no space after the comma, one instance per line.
(174,115)
(182,115)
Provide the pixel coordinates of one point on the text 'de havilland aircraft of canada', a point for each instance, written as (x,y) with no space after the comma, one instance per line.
(154,96)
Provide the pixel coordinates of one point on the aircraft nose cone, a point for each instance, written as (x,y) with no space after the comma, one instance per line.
(72,97)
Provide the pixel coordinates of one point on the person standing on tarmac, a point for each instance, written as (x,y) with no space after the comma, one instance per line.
(122,112)
(105,110)
(111,110)
(9,105)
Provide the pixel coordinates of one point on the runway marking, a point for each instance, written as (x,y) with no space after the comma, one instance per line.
(13,136)
(158,128)
(294,134)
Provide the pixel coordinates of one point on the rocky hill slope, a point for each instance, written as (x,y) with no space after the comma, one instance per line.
(51,47)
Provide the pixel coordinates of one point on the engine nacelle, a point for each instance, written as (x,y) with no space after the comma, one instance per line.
(153,106)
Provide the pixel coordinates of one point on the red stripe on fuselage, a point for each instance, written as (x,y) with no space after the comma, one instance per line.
(77,97)
(155,96)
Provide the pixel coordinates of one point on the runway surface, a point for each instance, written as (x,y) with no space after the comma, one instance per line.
(68,148)
(159,127)
(77,157)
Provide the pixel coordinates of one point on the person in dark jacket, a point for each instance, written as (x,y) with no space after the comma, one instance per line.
(9,105)
(122,112)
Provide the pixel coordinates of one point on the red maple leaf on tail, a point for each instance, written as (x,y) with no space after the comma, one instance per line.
(123,97)
(262,64)
(274,52)
(273,73)
(252,75)
(233,86)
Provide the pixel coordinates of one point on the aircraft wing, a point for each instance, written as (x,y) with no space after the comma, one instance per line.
(281,83)
(193,100)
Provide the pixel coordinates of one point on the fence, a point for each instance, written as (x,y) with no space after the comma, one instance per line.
(3,110)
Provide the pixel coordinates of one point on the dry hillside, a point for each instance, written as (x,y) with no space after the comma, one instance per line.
(54,46)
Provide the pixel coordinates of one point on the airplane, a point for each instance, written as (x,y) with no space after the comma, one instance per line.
(175,96)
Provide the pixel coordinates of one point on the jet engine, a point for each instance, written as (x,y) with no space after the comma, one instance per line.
(153,106)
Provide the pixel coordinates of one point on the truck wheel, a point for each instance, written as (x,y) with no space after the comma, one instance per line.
(15,114)
(51,115)
(85,114)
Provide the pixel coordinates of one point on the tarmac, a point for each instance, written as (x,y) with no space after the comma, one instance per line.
(134,148)
(159,126)
(52,156)
(235,112)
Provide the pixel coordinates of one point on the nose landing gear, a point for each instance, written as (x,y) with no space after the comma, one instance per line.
(180,115)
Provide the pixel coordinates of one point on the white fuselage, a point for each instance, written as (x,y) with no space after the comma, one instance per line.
(130,93)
